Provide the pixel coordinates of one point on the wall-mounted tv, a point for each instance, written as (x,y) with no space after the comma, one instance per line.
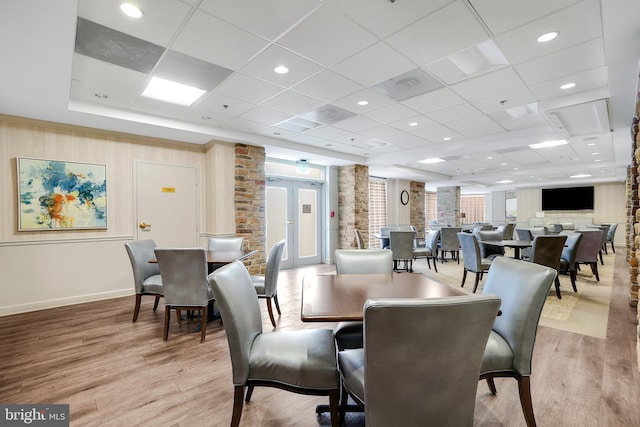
(567,199)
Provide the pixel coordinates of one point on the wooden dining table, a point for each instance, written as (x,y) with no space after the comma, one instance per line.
(217,258)
(341,297)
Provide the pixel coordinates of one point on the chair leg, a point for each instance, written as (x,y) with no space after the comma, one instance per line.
(334,396)
(203,323)
(155,304)
(464,277)
(344,399)
(572,274)
(601,260)
(594,269)
(435,264)
(238,395)
(492,385)
(613,248)
(275,300)
(249,393)
(165,334)
(270,309)
(136,308)
(475,285)
(524,386)
(558,294)
(458,256)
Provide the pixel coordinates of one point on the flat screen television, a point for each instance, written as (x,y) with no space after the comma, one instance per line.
(567,199)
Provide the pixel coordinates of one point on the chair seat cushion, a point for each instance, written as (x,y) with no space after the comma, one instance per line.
(303,358)
(259,284)
(153,284)
(486,263)
(349,335)
(497,355)
(422,252)
(351,363)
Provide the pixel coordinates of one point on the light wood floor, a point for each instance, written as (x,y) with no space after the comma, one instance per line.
(116,373)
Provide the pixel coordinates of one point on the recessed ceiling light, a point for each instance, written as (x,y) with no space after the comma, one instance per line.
(175,93)
(131,10)
(504,181)
(597,160)
(591,144)
(547,37)
(503,164)
(595,154)
(446,138)
(489,158)
(413,124)
(431,160)
(515,169)
(546,144)
(363,102)
(568,86)
(281,69)
(582,175)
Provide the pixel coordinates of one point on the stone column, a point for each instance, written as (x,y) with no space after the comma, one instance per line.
(416,207)
(250,203)
(448,202)
(353,204)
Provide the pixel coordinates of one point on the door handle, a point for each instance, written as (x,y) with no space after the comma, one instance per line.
(144,226)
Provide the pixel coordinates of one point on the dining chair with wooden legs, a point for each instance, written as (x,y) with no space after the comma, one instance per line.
(146,275)
(547,250)
(471,259)
(267,285)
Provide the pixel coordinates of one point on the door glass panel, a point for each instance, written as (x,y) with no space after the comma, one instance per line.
(307,220)
(276,215)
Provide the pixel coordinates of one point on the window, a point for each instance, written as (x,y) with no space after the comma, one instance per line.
(430,208)
(377,209)
(473,208)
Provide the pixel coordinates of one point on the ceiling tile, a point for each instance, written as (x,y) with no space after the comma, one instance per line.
(375,101)
(292,103)
(585,80)
(247,88)
(374,64)
(505,80)
(265,116)
(215,103)
(455,113)
(433,101)
(327,37)
(356,124)
(262,67)
(327,86)
(390,113)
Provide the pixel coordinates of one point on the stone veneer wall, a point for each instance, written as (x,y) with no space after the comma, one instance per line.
(448,202)
(353,204)
(416,206)
(250,203)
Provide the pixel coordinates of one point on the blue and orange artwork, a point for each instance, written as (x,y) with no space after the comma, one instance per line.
(56,195)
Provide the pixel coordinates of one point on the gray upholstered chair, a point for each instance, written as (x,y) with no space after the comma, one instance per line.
(603,240)
(225,243)
(471,258)
(568,257)
(429,250)
(524,234)
(146,275)
(547,250)
(507,230)
(184,276)
(401,244)
(301,361)
(359,240)
(488,250)
(589,248)
(449,242)
(438,388)
(523,288)
(267,285)
(611,237)
(354,261)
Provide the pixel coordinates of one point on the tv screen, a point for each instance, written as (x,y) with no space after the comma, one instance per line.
(567,199)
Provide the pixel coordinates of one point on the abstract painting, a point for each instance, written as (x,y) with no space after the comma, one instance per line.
(58,195)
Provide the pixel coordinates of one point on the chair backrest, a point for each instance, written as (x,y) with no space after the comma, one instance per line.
(359,240)
(370,261)
(612,232)
(240,311)
(523,287)
(184,276)
(273,268)
(547,250)
(539,231)
(470,252)
(605,232)
(140,253)
(568,257)
(449,238)
(431,241)
(558,228)
(401,244)
(507,231)
(423,367)
(490,236)
(524,234)
(225,243)
(590,245)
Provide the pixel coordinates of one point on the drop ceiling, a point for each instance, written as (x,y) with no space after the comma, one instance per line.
(464,81)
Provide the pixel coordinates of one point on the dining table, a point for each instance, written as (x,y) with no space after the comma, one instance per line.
(516,245)
(218,258)
(341,297)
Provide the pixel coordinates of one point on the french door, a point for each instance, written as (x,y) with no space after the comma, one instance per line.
(293,214)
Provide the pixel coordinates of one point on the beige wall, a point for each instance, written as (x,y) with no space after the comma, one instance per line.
(43,269)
